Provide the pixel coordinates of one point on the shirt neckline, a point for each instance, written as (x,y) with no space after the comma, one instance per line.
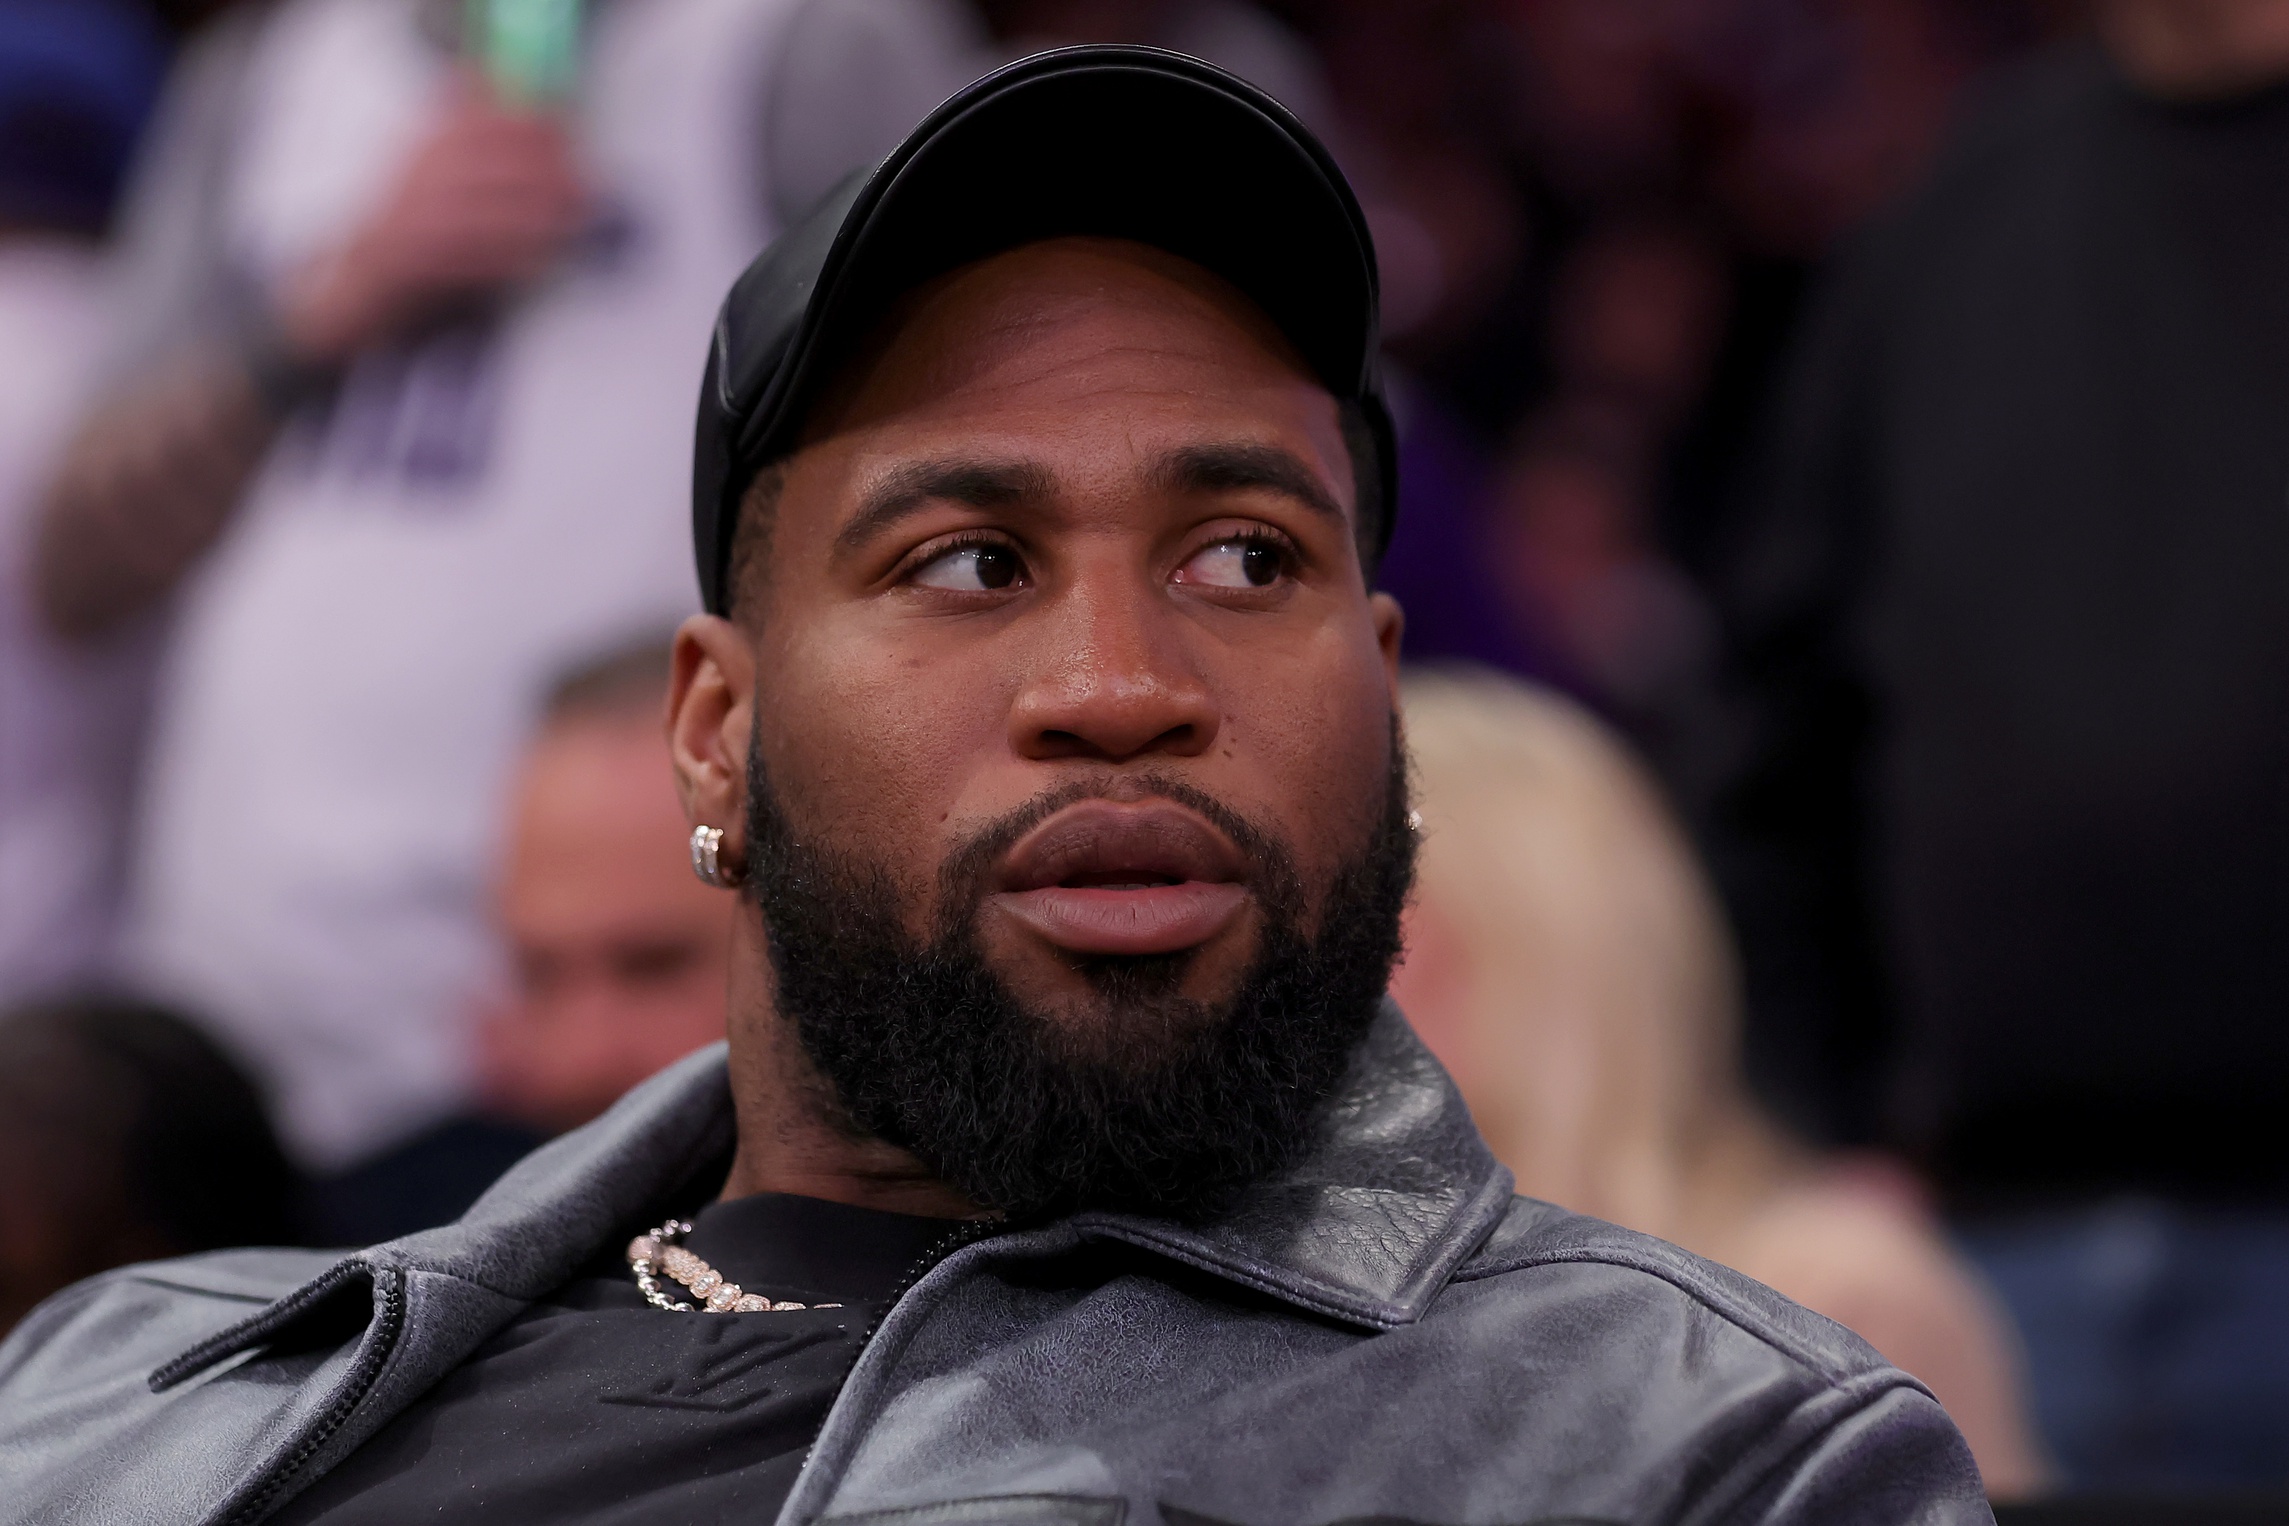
(792,1246)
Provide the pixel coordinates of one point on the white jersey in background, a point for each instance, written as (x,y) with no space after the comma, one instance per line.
(356,667)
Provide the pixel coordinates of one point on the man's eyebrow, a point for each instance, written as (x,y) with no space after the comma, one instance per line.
(1227,468)
(908,489)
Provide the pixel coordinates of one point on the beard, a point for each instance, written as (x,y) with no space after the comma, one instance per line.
(1144,1100)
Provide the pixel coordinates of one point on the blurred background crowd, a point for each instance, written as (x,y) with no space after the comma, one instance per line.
(1845,468)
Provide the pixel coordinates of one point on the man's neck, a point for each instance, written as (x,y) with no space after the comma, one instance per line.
(2198,49)
(791,1136)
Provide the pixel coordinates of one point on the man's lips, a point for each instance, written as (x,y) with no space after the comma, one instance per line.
(1103,877)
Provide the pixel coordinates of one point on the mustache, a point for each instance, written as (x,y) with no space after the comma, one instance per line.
(964,877)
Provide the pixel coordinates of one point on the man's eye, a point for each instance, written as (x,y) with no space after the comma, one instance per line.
(1235,564)
(972,569)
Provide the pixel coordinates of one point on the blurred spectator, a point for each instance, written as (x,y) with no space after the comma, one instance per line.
(1419,100)
(1610,206)
(1449,568)
(1638,309)
(399,425)
(1819,111)
(1448,228)
(1598,96)
(77,78)
(2011,856)
(618,953)
(1567,963)
(1574,538)
(621,952)
(126,1135)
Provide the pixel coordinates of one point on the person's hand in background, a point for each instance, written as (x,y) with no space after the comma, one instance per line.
(486,201)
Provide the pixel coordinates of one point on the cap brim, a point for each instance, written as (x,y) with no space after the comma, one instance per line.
(1116,142)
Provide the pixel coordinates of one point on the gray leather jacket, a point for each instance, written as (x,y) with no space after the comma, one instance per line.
(1383,1335)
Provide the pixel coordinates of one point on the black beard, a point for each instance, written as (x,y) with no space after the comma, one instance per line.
(1154,1103)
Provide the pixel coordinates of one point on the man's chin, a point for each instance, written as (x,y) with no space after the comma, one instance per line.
(1102,1006)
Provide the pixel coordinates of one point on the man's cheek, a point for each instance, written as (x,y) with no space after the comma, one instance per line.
(1326,768)
(886,740)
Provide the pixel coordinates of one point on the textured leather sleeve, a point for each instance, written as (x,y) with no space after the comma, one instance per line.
(83,1437)
(1790,1416)
(36,1329)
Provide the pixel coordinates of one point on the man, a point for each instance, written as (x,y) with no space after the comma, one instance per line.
(2009,857)
(395,318)
(1065,1165)
(619,951)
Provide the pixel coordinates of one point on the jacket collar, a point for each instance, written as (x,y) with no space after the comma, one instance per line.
(1396,1192)
(1368,1226)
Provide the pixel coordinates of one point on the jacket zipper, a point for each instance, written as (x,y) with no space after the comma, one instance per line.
(967,1233)
(389,1319)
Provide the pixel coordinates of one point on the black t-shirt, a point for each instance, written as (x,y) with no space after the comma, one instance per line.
(594,1407)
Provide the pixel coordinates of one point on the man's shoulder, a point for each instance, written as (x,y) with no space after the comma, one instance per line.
(1699,1384)
(1542,1257)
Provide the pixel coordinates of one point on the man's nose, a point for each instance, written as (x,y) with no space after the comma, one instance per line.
(1117,680)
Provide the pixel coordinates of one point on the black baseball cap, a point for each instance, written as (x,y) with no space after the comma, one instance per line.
(1118,142)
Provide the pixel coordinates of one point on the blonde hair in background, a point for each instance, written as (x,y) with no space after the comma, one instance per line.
(1587,961)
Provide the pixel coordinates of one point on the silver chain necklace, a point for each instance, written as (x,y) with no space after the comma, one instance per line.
(656,1251)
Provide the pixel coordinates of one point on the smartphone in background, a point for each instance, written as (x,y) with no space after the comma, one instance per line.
(529,49)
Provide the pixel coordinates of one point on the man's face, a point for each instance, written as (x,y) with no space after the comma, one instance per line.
(620,953)
(1062,643)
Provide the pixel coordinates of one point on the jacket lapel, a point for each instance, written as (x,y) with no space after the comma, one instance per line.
(1396,1192)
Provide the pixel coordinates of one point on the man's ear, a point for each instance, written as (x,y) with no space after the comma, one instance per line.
(710,722)
(1390,625)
